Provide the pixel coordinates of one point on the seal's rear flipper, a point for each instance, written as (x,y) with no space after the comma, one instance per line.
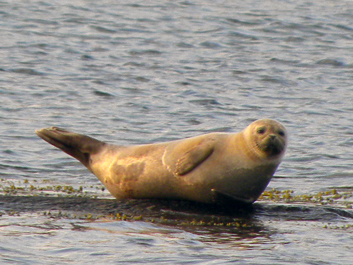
(224,198)
(76,145)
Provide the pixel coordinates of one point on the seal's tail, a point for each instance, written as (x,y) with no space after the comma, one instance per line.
(76,145)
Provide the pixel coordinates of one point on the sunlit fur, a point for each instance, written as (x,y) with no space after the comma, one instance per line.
(205,168)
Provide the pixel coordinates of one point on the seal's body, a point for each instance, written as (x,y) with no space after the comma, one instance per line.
(202,168)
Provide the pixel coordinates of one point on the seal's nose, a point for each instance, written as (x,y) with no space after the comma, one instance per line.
(272,136)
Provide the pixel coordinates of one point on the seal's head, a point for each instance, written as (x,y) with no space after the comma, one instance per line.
(267,138)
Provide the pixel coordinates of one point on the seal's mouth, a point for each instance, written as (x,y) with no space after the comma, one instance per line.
(271,145)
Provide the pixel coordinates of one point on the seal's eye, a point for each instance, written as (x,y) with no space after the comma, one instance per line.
(261,130)
(281,133)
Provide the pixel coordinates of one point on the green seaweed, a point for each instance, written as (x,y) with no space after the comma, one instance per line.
(92,202)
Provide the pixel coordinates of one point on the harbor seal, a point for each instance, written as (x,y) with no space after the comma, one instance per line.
(204,168)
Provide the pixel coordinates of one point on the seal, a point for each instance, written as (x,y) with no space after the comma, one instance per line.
(205,168)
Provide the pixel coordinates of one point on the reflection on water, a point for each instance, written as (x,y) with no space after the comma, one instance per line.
(266,230)
(73,223)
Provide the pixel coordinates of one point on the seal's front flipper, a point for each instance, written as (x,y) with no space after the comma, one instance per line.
(76,145)
(192,158)
(225,198)
(185,156)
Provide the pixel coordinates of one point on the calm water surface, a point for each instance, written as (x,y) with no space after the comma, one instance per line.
(150,71)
